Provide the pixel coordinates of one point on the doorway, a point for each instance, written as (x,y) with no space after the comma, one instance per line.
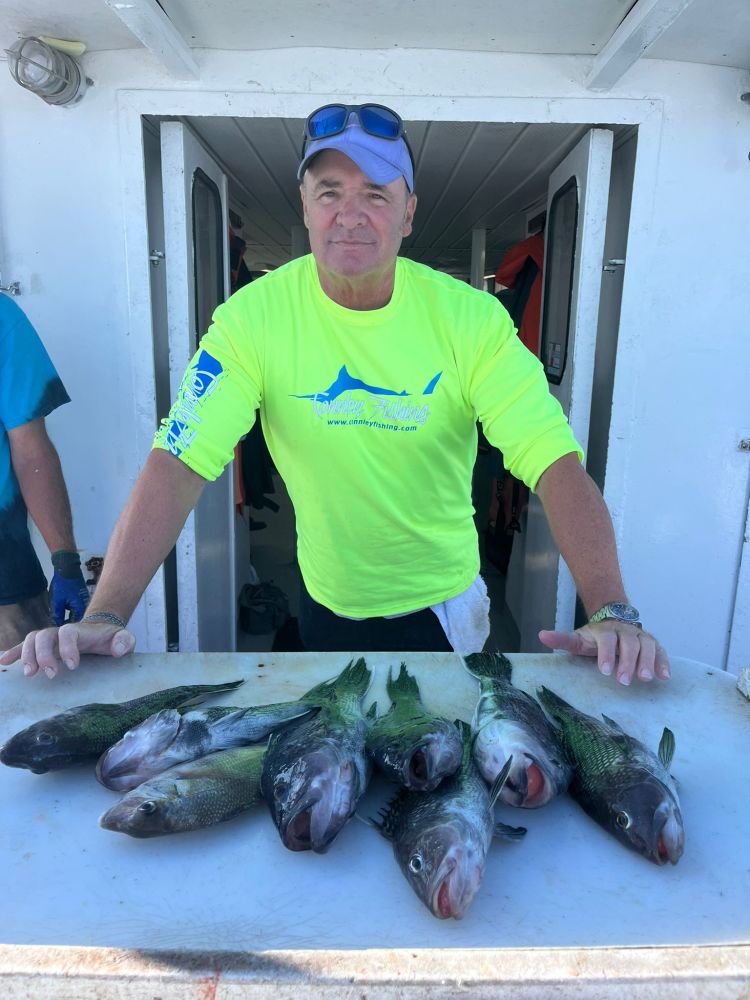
(470,175)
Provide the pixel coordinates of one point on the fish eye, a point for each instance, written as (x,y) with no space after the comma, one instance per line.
(416,863)
(147,807)
(44,739)
(623,820)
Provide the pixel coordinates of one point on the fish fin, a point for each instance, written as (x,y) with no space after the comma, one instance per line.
(367,820)
(552,703)
(494,665)
(614,725)
(506,832)
(208,691)
(666,747)
(497,784)
(389,814)
(225,734)
(372,712)
(403,686)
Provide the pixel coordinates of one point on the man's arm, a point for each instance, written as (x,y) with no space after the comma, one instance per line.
(37,468)
(582,528)
(163,496)
(40,478)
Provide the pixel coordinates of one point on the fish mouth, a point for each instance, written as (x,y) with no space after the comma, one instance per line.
(297,832)
(310,827)
(8,758)
(527,786)
(670,835)
(455,887)
(418,770)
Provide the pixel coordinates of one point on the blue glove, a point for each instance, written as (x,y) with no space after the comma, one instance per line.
(68,590)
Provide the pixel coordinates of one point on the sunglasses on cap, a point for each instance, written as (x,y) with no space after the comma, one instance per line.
(375,119)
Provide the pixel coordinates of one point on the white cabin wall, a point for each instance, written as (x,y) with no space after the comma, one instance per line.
(675,485)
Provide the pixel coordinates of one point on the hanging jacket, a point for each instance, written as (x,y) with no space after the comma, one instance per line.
(523,264)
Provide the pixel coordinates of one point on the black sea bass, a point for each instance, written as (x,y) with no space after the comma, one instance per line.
(84,733)
(315,771)
(620,783)
(410,744)
(441,838)
(507,723)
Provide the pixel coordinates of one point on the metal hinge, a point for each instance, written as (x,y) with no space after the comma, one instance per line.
(14,288)
(156,257)
(613,264)
(744,444)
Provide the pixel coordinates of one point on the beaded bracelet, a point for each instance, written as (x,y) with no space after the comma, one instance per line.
(104,616)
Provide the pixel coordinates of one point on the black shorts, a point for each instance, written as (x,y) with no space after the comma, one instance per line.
(321,629)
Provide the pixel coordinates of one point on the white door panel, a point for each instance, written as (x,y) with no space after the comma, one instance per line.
(576,210)
(197,266)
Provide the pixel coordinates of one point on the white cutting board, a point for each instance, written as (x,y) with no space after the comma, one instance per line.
(67,881)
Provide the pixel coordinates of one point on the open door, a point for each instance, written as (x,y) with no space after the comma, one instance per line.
(577,199)
(196,245)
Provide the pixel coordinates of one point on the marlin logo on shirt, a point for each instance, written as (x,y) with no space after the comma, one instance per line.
(344,382)
(337,405)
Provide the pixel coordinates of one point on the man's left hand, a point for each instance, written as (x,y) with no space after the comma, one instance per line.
(68,590)
(619,648)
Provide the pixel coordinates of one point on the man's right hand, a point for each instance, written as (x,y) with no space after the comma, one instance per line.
(50,648)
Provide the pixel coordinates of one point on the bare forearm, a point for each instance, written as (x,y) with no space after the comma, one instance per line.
(582,528)
(40,478)
(163,496)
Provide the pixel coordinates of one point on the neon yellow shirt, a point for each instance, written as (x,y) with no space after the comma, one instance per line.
(370,418)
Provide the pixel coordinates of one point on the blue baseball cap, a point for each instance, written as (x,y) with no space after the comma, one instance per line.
(382,160)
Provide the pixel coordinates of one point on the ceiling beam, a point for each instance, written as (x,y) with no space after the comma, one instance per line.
(151,26)
(642,25)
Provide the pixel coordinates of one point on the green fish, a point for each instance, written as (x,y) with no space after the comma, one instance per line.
(315,771)
(621,784)
(84,733)
(441,839)
(410,744)
(190,796)
(507,723)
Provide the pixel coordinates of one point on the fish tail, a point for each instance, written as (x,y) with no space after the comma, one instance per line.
(353,679)
(494,665)
(403,686)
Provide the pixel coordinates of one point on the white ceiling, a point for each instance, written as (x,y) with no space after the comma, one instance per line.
(469,175)
(710,31)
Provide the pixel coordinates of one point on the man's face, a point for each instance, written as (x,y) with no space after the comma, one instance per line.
(355,226)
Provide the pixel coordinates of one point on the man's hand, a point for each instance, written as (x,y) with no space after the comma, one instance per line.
(68,590)
(50,648)
(619,648)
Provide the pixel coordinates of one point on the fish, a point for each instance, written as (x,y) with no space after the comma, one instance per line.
(315,771)
(190,796)
(410,744)
(170,737)
(620,783)
(441,838)
(82,734)
(507,722)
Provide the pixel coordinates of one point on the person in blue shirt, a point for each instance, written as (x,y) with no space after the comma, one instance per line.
(32,483)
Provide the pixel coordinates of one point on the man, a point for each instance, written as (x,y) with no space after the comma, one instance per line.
(31,482)
(370,372)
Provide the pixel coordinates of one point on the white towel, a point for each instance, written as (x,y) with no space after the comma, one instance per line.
(466,618)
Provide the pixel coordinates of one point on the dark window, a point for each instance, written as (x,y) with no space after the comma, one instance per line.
(558,280)
(208,251)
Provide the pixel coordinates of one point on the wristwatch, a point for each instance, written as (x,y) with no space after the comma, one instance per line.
(620,612)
